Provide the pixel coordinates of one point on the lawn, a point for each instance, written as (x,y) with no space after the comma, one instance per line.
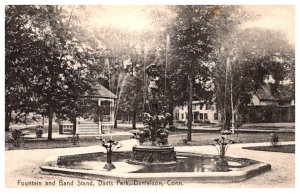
(43,143)
(245,137)
(175,139)
(278,148)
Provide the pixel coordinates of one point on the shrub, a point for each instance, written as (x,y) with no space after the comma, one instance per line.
(17,136)
(39,130)
(197,121)
(274,139)
(172,128)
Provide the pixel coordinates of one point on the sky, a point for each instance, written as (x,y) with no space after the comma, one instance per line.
(132,18)
(135,18)
(274,17)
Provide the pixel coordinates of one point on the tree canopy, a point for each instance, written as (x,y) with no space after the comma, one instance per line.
(51,59)
(248,59)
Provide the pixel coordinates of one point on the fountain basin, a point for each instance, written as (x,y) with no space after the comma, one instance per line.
(191,167)
(153,155)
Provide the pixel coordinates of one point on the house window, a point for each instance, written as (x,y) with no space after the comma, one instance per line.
(177,116)
(194,106)
(182,116)
(205,116)
(201,116)
(216,115)
(201,106)
(196,115)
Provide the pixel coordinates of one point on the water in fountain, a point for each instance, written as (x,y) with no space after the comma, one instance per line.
(185,163)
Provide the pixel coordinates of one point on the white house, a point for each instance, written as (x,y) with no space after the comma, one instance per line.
(201,113)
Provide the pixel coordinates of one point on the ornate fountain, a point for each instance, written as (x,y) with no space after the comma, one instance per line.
(154,154)
(153,138)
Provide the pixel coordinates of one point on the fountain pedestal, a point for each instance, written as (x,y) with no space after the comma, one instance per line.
(154,148)
(153,155)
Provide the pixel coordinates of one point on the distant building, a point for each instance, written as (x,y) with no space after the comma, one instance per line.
(264,107)
(202,113)
(263,97)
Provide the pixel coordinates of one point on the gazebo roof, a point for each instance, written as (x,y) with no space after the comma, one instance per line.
(101,92)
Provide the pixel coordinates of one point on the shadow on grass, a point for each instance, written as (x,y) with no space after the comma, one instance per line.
(278,148)
(43,143)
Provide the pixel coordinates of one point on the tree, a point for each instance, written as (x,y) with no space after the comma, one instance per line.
(129,54)
(121,60)
(131,99)
(193,37)
(21,48)
(258,56)
(62,63)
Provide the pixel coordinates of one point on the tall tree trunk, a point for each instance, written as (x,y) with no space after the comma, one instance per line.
(227,119)
(171,107)
(7,119)
(134,120)
(43,121)
(231,100)
(115,122)
(171,104)
(50,123)
(226,113)
(190,114)
(74,125)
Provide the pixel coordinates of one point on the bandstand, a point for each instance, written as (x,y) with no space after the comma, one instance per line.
(105,99)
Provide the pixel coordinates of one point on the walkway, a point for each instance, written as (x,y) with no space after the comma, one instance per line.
(24,164)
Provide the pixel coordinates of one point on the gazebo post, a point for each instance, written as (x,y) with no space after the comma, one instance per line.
(99,122)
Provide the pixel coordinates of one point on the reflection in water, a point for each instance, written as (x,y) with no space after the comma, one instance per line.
(193,163)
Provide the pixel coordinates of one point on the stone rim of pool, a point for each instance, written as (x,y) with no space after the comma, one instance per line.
(238,175)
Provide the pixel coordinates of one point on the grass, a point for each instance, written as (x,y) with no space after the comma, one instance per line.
(199,137)
(278,148)
(43,143)
(175,139)
(207,138)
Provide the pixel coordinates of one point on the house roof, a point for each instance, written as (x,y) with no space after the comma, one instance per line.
(101,92)
(264,93)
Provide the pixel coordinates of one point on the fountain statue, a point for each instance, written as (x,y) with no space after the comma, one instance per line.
(154,147)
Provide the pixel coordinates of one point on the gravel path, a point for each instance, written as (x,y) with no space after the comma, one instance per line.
(24,165)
